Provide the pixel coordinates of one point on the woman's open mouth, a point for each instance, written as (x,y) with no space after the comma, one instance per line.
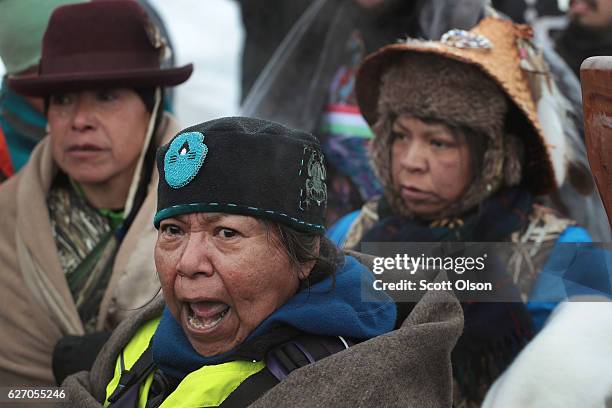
(205,316)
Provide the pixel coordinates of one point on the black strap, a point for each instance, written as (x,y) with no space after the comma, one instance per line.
(250,390)
(134,376)
(280,362)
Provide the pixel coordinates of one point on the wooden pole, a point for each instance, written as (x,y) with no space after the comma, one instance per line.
(596,82)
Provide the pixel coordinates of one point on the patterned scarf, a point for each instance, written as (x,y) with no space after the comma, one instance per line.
(86,244)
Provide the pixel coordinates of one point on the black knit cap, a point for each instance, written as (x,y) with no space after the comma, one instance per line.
(244,166)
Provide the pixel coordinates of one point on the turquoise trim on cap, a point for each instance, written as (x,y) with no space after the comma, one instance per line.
(239,209)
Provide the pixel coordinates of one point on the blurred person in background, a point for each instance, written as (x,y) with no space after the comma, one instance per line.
(76,244)
(528,11)
(546,17)
(22,121)
(589,32)
(265,22)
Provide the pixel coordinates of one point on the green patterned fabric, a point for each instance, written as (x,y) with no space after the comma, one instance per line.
(86,245)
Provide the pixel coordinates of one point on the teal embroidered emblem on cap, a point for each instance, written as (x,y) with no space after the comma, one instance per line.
(184,159)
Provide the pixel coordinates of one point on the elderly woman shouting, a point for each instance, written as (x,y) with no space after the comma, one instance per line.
(252,289)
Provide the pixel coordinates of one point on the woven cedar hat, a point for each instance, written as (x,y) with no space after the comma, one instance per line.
(97,44)
(501,49)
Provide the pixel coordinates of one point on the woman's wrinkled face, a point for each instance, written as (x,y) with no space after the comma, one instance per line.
(97,136)
(430,166)
(221,276)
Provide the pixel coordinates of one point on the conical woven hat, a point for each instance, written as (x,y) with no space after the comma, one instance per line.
(496,52)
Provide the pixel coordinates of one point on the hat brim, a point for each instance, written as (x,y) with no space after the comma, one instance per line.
(540,176)
(44,85)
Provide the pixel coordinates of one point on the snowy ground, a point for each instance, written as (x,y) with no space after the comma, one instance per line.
(207,33)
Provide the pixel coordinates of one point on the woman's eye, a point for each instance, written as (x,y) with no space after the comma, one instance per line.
(60,99)
(437,143)
(171,230)
(398,135)
(227,233)
(440,143)
(106,96)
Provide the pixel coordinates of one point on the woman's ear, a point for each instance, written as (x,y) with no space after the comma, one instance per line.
(307,267)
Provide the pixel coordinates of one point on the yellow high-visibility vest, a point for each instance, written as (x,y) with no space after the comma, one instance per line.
(207,387)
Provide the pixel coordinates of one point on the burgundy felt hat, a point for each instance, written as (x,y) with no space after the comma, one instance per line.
(102,43)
